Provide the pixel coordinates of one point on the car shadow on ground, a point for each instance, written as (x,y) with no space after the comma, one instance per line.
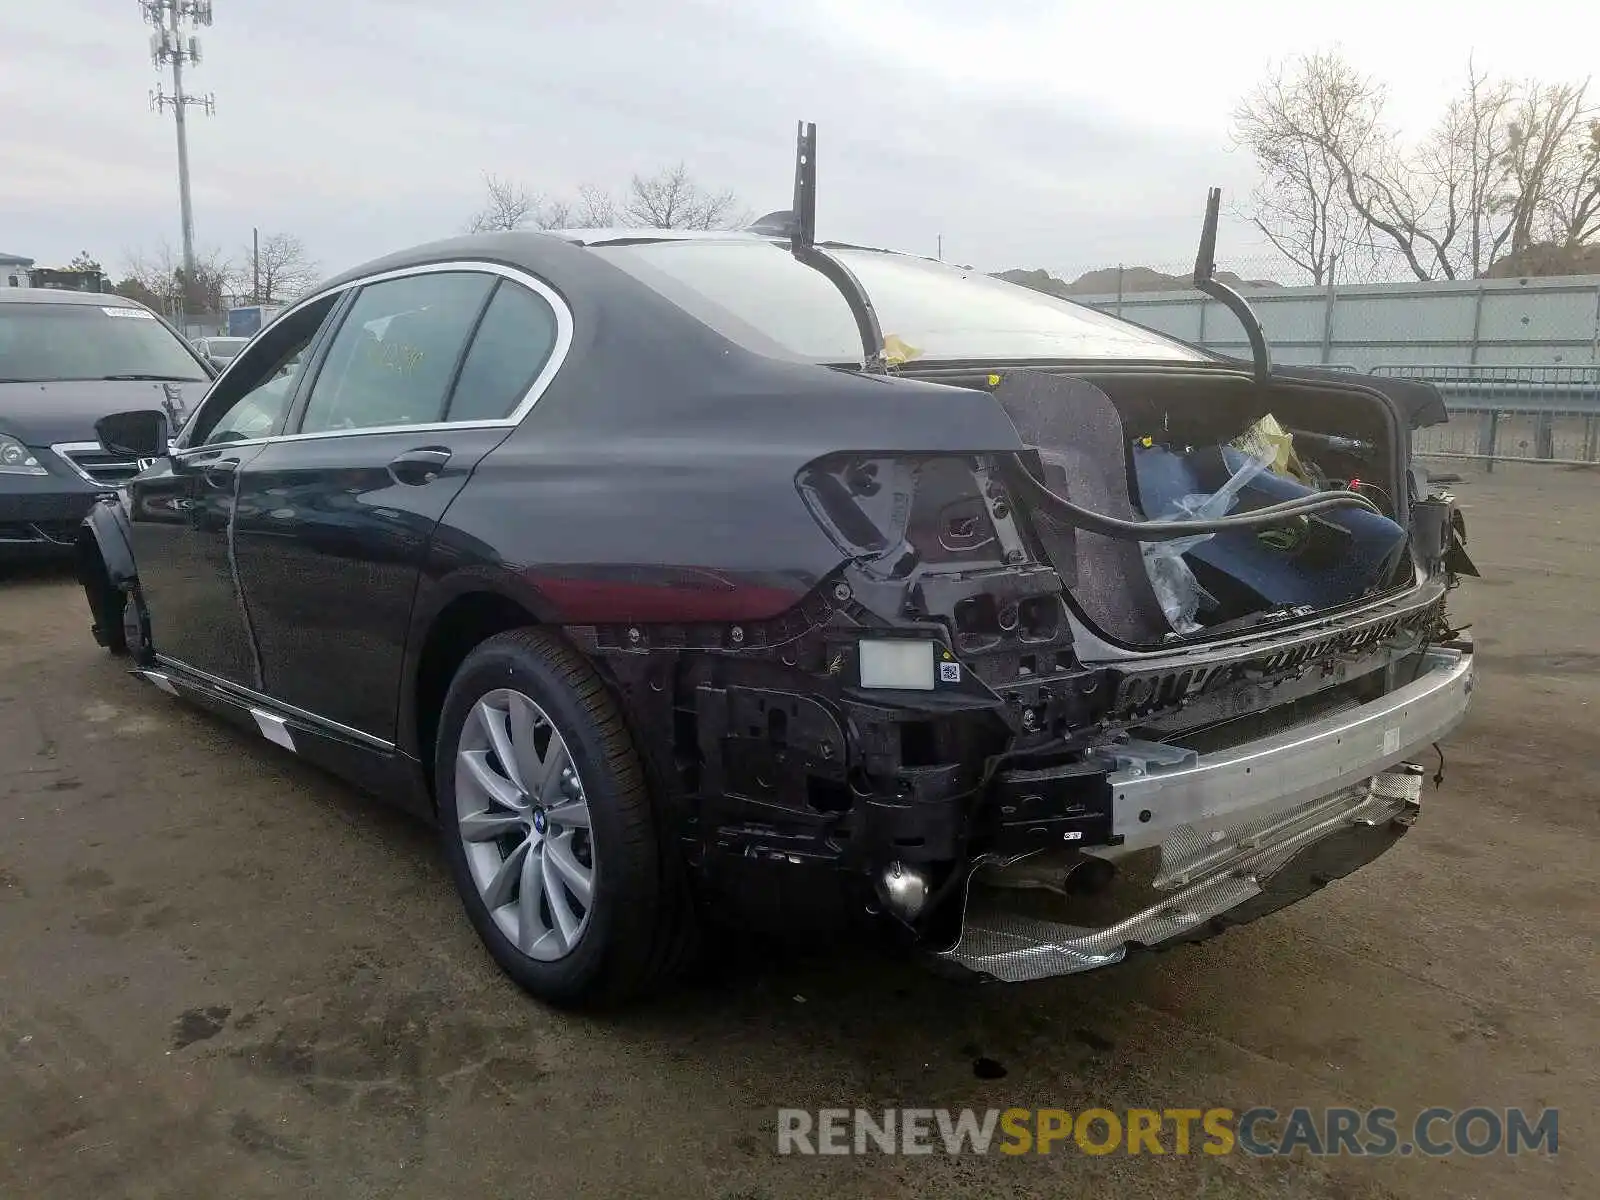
(40,572)
(737,978)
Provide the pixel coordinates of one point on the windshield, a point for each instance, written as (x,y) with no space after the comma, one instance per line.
(42,342)
(755,293)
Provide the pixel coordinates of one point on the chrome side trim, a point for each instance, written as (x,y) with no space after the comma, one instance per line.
(1149,798)
(161,681)
(546,376)
(273,728)
(251,699)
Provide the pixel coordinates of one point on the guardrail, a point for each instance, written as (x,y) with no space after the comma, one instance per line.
(1543,413)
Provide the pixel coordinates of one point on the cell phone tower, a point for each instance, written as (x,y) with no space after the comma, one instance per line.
(171,45)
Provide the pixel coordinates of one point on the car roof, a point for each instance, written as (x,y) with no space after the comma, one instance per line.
(563,258)
(540,250)
(602,235)
(62,296)
(532,250)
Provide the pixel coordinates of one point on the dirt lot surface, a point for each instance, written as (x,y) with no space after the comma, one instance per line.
(223,974)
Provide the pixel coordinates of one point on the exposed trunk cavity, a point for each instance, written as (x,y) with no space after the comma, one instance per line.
(1154,447)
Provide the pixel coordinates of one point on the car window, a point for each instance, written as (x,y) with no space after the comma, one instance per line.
(396,352)
(513,342)
(250,401)
(755,293)
(44,342)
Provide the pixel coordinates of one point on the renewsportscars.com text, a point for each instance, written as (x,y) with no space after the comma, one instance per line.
(1259,1131)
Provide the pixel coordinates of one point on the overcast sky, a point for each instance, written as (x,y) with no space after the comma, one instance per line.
(1028,133)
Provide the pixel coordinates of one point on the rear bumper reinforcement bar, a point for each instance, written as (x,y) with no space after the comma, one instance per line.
(1015,947)
(1224,824)
(1150,799)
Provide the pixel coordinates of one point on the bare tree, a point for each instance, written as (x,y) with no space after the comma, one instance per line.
(1321,111)
(1457,219)
(159,274)
(1489,180)
(555,214)
(1496,167)
(670,199)
(508,205)
(1572,209)
(596,209)
(1300,204)
(1552,167)
(281,270)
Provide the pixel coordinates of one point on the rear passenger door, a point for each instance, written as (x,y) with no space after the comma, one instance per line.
(427,372)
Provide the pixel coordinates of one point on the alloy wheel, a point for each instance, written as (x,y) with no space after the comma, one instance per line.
(523,819)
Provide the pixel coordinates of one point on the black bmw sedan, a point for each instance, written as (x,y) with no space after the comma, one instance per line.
(693,578)
(66,360)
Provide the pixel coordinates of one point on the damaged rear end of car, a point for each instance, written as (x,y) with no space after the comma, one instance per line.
(1162,659)
(995,754)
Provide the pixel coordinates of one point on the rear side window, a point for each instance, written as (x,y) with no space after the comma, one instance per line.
(513,343)
(396,352)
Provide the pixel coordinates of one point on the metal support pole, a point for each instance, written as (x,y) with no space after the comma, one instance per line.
(1594,348)
(1328,301)
(184,202)
(1477,324)
(1544,436)
(169,46)
(1119,289)
(255,266)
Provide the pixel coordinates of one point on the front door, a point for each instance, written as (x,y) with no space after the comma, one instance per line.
(182,510)
(180,514)
(418,383)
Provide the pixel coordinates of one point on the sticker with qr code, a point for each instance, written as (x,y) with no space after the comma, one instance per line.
(949,672)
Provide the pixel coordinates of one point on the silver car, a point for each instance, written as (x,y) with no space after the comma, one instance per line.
(220,351)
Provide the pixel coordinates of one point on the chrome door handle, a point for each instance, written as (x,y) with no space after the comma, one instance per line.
(221,474)
(419,466)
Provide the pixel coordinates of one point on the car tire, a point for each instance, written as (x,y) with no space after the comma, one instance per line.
(631,933)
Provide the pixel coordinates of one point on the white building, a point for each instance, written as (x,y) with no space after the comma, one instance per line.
(14,270)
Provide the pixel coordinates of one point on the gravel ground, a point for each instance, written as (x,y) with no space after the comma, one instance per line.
(224,974)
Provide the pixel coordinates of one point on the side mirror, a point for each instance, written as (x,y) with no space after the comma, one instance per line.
(139,434)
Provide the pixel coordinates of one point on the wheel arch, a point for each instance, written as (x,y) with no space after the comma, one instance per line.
(459,620)
(107,534)
(105,570)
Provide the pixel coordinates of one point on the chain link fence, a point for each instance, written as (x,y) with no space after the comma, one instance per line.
(1517,360)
